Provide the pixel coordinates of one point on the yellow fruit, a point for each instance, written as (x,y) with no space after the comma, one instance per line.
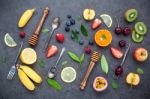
(133,79)
(31,74)
(25,17)
(107,20)
(88,14)
(28,56)
(25,80)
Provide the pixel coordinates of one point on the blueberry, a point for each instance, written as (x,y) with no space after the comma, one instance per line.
(67,29)
(72,21)
(68,16)
(68,23)
(81,42)
(91,42)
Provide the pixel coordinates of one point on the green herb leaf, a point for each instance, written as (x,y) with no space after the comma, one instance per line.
(74,57)
(41,63)
(104,64)
(53,83)
(64,62)
(114,85)
(75,36)
(140,71)
(82,59)
(45,30)
(78,18)
(83,30)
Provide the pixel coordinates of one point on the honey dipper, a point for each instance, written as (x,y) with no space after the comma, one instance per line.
(34,38)
(94,59)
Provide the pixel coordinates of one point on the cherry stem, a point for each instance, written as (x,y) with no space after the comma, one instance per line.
(117,21)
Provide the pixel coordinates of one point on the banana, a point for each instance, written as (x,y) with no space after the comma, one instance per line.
(25,80)
(89,14)
(31,74)
(25,17)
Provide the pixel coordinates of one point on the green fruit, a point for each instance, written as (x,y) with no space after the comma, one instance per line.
(140,28)
(131,15)
(136,37)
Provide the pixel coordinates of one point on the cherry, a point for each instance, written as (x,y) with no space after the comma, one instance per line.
(126,31)
(22,34)
(122,43)
(118,71)
(118,29)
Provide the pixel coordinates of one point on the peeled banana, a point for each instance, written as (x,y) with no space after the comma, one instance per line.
(25,17)
(25,73)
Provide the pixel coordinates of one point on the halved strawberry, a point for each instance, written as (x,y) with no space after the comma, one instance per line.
(116,52)
(51,51)
(60,37)
(96,23)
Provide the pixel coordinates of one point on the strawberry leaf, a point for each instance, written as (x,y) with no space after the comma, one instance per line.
(53,83)
(83,30)
(104,64)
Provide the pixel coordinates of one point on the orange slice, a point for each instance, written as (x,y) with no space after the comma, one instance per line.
(103,37)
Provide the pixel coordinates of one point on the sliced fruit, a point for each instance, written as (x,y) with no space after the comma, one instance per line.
(68,74)
(131,15)
(96,23)
(52,50)
(28,56)
(103,37)
(116,52)
(106,19)
(31,74)
(100,84)
(140,54)
(26,16)
(140,28)
(137,37)
(133,79)
(88,14)
(9,41)
(25,80)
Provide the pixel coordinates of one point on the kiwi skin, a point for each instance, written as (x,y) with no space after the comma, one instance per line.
(128,12)
(137,40)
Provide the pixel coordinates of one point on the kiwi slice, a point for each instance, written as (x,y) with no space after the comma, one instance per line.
(140,28)
(131,15)
(137,37)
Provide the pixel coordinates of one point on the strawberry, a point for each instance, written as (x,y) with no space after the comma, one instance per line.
(60,37)
(116,52)
(96,23)
(51,51)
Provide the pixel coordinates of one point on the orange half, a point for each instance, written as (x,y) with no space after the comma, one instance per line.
(103,37)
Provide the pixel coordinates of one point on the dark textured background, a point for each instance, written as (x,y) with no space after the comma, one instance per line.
(10,12)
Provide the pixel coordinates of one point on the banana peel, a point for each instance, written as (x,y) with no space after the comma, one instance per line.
(26,74)
(26,16)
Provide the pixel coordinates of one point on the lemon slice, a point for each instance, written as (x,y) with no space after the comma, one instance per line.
(68,74)
(9,41)
(106,19)
(28,56)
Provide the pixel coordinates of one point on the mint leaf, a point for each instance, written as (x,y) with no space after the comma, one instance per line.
(45,30)
(114,85)
(74,36)
(41,63)
(82,59)
(140,71)
(74,57)
(104,64)
(83,30)
(53,83)
(64,62)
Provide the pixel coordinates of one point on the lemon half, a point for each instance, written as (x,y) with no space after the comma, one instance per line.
(106,19)
(9,41)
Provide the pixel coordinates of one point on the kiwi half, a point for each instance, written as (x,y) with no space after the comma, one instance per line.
(140,28)
(137,37)
(131,15)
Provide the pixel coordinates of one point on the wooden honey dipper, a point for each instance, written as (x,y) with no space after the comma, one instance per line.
(34,38)
(94,59)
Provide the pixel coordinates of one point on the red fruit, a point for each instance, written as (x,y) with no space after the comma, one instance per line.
(140,54)
(116,52)
(60,37)
(22,34)
(51,51)
(96,23)
(87,50)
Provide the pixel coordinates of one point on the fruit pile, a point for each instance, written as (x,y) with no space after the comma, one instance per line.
(102,37)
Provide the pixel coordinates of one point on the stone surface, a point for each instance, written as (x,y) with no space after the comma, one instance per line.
(10,12)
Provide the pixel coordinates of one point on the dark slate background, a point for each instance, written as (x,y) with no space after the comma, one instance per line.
(10,12)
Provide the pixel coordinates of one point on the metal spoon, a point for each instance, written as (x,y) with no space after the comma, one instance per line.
(53,70)
(55,25)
